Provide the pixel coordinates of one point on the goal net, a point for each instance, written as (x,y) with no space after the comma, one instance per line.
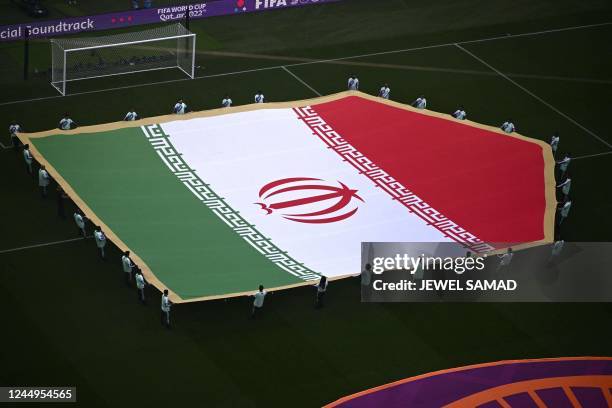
(165,47)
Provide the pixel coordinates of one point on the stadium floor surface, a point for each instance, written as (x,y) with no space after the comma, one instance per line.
(70,321)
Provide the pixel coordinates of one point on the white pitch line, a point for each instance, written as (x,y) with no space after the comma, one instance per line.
(533,33)
(169,81)
(4,251)
(2,145)
(322,61)
(374,54)
(300,80)
(586,156)
(532,94)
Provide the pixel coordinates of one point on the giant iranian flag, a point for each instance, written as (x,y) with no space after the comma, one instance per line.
(212,204)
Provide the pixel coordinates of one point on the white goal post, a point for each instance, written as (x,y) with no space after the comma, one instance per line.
(167,47)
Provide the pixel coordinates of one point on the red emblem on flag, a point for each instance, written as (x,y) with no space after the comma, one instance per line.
(322,202)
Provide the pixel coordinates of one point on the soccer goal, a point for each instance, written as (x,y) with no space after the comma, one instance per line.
(167,47)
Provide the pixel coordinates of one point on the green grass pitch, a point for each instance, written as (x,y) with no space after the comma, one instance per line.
(68,319)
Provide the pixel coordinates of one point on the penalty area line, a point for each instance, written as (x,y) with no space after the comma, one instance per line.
(5,251)
(587,156)
(527,91)
(300,80)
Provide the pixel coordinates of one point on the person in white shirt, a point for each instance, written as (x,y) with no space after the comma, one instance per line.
(43,181)
(508,126)
(459,114)
(564,210)
(556,249)
(15,128)
(366,280)
(258,301)
(385,91)
(505,259)
(128,265)
(226,102)
(565,187)
(366,275)
(419,271)
(140,285)
(353,83)
(166,304)
(79,220)
(554,143)
(27,156)
(66,123)
(420,102)
(321,289)
(131,116)
(259,97)
(100,240)
(564,164)
(180,108)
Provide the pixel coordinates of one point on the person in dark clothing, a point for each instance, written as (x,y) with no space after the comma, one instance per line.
(61,198)
(321,289)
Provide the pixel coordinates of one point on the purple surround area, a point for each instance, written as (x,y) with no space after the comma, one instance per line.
(441,389)
(122,19)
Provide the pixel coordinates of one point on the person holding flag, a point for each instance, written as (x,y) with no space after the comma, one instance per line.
(366,275)
(258,301)
(556,249)
(128,265)
(564,210)
(321,289)
(100,240)
(43,181)
(140,285)
(420,102)
(131,116)
(60,199)
(166,304)
(27,157)
(384,92)
(79,220)
(459,114)
(15,128)
(505,259)
(508,126)
(554,143)
(564,164)
(565,187)
(180,108)
(66,123)
(226,102)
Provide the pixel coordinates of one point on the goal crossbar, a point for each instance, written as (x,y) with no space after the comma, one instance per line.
(129,42)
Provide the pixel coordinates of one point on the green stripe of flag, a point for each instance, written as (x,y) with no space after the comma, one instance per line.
(122,178)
